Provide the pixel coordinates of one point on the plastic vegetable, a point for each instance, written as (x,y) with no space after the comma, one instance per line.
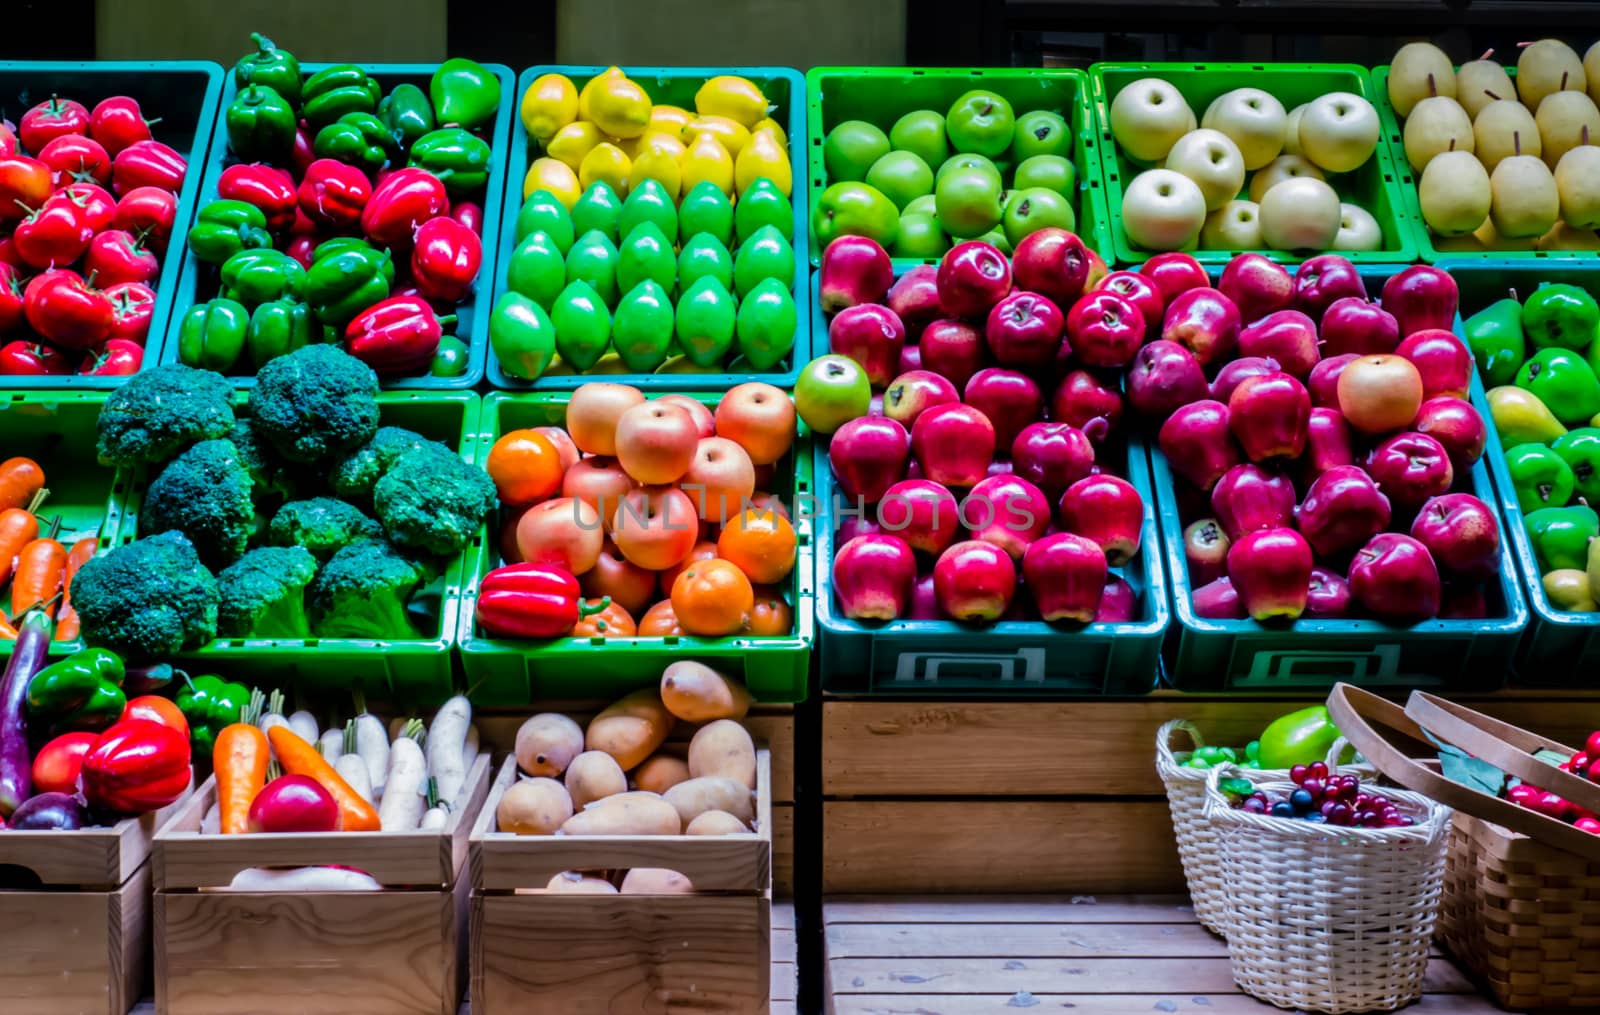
(18,528)
(465,93)
(398,335)
(1298,738)
(150,212)
(27,657)
(333,194)
(266,188)
(402,202)
(408,115)
(136,766)
(212,334)
(148,598)
(147,164)
(458,158)
(162,410)
(41,568)
(1561,535)
(334,91)
(345,282)
(445,259)
(270,66)
(1541,477)
(278,327)
(357,139)
(254,277)
(211,704)
(260,124)
(452,358)
(321,525)
(362,592)
(81,692)
(132,306)
(433,501)
(56,766)
(300,758)
(240,759)
(532,601)
(21,479)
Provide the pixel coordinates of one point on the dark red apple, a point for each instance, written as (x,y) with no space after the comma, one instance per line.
(1053,262)
(1198,444)
(1174,273)
(1287,336)
(1269,415)
(1409,468)
(1422,297)
(1328,597)
(912,392)
(1052,456)
(1257,285)
(1141,292)
(852,526)
(1236,370)
(1354,324)
(1024,331)
(855,270)
(952,349)
(1342,510)
(1324,380)
(1271,571)
(1164,377)
(1067,575)
(1457,425)
(924,601)
(1205,550)
(1461,533)
(910,359)
(1442,359)
(1322,280)
(873,577)
(1008,512)
(921,512)
(1218,600)
(973,276)
(868,455)
(1010,399)
(1394,578)
(1084,401)
(1105,330)
(915,298)
(1248,498)
(1329,444)
(953,444)
(1119,604)
(1000,467)
(1205,322)
(872,335)
(1107,510)
(974,581)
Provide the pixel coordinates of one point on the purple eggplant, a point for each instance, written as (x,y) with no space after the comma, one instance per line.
(27,658)
(149,678)
(49,812)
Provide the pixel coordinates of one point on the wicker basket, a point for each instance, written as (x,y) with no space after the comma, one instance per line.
(1326,918)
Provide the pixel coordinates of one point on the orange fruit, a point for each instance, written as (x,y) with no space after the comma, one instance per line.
(712,599)
(771,617)
(611,622)
(759,543)
(659,621)
(525,466)
(703,550)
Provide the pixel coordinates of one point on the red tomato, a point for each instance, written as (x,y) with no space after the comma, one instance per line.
(147,164)
(99,207)
(24,185)
(53,236)
(30,359)
(64,309)
(132,304)
(56,766)
(117,358)
(51,119)
(73,158)
(9,255)
(11,292)
(148,212)
(156,709)
(118,122)
(116,256)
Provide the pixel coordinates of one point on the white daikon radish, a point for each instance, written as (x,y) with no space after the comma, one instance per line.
(447,741)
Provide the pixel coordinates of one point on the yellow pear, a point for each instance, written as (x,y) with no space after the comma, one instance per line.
(735,97)
(660,166)
(1482,81)
(1578,185)
(762,158)
(1525,202)
(1566,119)
(1504,128)
(1436,124)
(608,164)
(1562,237)
(1418,70)
(555,176)
(706,159)
(572,142)
(1454,193)
(1547,66)
(1485,238)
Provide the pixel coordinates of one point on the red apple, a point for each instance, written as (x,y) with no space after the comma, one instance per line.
(720,479)
(1322,280)
(1011,400)
(1067,574)
(921,512)
(913,392)
(1008,512)
(914,297)
(1205,322)
(1328,444)
(1053,262)
(1119,604)
(1271,571)
(1024,331)
(655,527)
(1257,285)
(1409,468)
(851,527)
(1442,360)
(1286,336)
(1174,273)
(1141,292)
(1052,456)
(705,423)
(910,358)
(975,581)
(1248,498)
(872,335)
(1198,444)
(1354,324)
(1422,297)
(973,276)
(1218,600)
(855,270)
(1461,533)
(1084,401)
(1394,578)
(656,442)
(868,455)
(1105,330)
(1324,380)
(1328,597)
(924,600)
(1269,415)
(1236,370)
(1205,550)
(1164,377)
(1454,423)
(953,444)
(1107,510)
(873,577)
(952,349)
(1342,510)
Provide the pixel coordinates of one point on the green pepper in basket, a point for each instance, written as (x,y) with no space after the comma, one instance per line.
(212,335)
(465,93)
(210,704)
(458,158)
(261,125)
(1540,477)
(81,692)
(359,139)
(224,227)
(268,65)
(278,327)
(334,91)
(340,244)
(1561,535)
(254,277)
(342,284)
(407,114)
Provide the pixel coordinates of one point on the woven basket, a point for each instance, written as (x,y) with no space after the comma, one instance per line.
(1326,918)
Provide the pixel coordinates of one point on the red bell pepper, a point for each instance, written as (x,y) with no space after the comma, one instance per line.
(148,212)
(445,261)
(301,248)
(136,766)
(403,201)
(469,214)
(267,187)
(116,256)
(98,207)
(73,158)
(333,194)
(64,308)
(51,119)
(118,122)
(118,357)
(156,709)
(532,601)
(54,235)
(132,304)
(398,335)
(147,164)
(11,293)
(24,183)
(56,766)
(30,359)
(304,152)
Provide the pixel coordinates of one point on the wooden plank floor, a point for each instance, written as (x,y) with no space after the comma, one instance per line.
(1116,955)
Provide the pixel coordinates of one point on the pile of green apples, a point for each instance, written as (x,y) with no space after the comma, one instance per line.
(937,177)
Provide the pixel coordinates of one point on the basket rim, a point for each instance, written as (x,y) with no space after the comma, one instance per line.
(1434,828)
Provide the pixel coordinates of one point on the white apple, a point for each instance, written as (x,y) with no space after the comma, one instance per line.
(1300,214)
(1163,210)
(1234,226)
(1147,117)
(1254,119)
(1284,167)
(1211,160)
(1358,230)
(1339,131)
(1291,130)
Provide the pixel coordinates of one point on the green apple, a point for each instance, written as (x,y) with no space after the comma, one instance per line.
(968,201)
(923,205)
(921,132)
(997,238)
(831,391)
(851,148)
(855,209)
(920,237)
(967,161)
(1041,132)
(1034,209)
(1053,172)
(902,177)
(980,121)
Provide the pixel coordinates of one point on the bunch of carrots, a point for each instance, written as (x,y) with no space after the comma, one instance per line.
(38,567)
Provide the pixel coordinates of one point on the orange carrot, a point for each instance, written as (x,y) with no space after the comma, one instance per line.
(67,623)
(7,631)
(298,757)
(240,761)
(21,480)
(41,568)
(18,527)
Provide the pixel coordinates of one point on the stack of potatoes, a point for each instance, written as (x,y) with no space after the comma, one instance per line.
(1503,164)
(614,778)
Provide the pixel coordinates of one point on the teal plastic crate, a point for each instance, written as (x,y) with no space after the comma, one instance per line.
(409,671)
(1374,186)
(881,95)
(184,95)
(785,90)
(198,282)
(1561,649)
(502,671)
(1243,655)
(1394,138)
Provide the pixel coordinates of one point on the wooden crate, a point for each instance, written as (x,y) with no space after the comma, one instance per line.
(577,954)
(398,950)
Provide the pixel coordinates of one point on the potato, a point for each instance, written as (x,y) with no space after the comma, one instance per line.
(547,743)
(711,793)
(656,881)
(579,883)
(626,814)
(660,772)
(694,692)
(632,729)
(723,748)
(533,807)
(715,823)
(592,775)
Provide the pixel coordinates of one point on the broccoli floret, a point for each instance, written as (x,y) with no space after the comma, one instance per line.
(267,470)
(359,471)
(315,403)
(147,600)
(322,525)
(264,594)
(431,500)
(161,411)
(363,590)
(205,493)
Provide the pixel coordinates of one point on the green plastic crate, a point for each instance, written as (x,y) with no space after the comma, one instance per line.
(1561,649)
(1394,138)
(676,86)
(1243,655)
(515,672)
(881,95)
(198,282)
(184,95)
(413,672)
(1374,186)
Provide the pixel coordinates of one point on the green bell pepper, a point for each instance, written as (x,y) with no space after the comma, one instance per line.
(210,704)
(340,244)
(522,337)
(261,125)
(451,359)
(1561,535)
(212,335)
(465,92)
(268,65)
(254,277)
(359,139)
(81,692)
(1580,449)
(342,284)
(276,328)
(1298,738)
(405,111)
(1541,477)
(225,227)
(459,159)
(1563,382)
(1561,316)
(1494,334)
(334,91)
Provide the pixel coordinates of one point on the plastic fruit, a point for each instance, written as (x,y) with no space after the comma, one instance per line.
(1271,571)
(1546,67)
(1212,160)
(873,577)
(1052,172)
(1254,119)
(1454,193)
(764,158)
(660,167)
(656,442)
(564,532)
(1418,70)
(1107,510)
(982,122)
(1284,167)
(605,163)
(731,135)
(765,255)
(770,616)
(1147,118)
(655,527)
(1163,210)
(759,543)
(759,418)
(1438,124)
(1028,211)
(968,201)
(525,467)
(1394,577)
(1525,201)
(831,391)
(1504,128)
(851,148)
(1480,82)
(593,413)
(549,104)
(922,133)
(554,176)
(1381,393)
(974,581)
(1300,214)
(618,106)
(1009,512)
(856,209)
(732,96)
(629,585)
(1339,131)
(1577,178)
(1234,226)
(660,621)
(707,160)
(712,599)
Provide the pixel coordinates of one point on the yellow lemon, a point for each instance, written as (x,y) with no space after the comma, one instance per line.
(572,142)
(734,97)
(586,96)
(669,119)
(734,136)
(549,104)
(655,141)
(763,157)
(706,159)
(777,130)
(555,176)
(660,166)
(608,163)
(620,107)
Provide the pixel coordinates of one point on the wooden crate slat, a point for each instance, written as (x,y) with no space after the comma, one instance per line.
(92,857)
(1185,1003)
(70,952)
(783,850)
(1035,909)
(918,940)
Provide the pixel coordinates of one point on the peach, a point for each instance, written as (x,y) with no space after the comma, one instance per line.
(759,418)
(593,412)
(656,442)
